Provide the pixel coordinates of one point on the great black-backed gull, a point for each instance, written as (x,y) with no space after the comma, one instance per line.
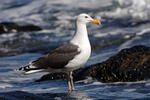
(68,57)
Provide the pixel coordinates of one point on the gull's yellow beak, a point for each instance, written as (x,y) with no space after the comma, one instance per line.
(96,22)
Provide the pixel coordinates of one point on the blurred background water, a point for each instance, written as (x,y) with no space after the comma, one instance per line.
(125,23)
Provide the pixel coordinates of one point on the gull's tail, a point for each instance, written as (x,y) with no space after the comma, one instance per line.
(29,69)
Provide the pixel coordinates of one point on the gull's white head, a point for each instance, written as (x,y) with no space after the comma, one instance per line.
(85,18)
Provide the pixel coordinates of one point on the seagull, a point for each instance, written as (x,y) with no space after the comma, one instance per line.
(68,57)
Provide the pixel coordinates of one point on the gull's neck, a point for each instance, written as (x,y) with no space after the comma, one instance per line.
(81,35)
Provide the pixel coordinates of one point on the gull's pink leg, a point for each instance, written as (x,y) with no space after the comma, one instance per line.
(71,82)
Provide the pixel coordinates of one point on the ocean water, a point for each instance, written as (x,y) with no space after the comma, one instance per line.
(125,23)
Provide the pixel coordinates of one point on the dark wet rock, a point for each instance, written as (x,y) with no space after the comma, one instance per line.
(20,95)
(53,76)
(57,76)
(131,64)
(14,27)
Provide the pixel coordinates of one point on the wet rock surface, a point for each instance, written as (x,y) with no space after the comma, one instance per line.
(57,76)
(14,27)
(131,64)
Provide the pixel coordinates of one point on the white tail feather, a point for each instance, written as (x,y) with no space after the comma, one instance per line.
(33,71)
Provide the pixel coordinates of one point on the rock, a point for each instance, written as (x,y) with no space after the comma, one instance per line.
(131,64)
(57,76)
(53,76)
(13,27)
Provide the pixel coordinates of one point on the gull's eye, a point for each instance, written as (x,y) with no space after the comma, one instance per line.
(86,16)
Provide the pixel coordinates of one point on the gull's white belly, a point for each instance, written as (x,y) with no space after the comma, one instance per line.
(80,59)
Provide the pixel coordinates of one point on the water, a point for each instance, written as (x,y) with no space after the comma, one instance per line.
(125,23)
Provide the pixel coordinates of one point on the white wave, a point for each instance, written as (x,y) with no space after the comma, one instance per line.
(38,10)
(137,10)
(5,85)
(101,35)
(128,83)
(143,31)
(30,12)
(83,4)
(97,83)
(130,42)
(129,90)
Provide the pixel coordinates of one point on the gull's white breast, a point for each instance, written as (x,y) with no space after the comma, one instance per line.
(80,59)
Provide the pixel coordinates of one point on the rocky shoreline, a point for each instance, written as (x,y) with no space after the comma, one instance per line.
(131,64)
